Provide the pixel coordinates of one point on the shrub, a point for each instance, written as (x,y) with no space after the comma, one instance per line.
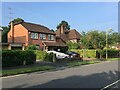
(87,53)
(49,57)
(32,47)
(111,53)
(40,55)
(11,58)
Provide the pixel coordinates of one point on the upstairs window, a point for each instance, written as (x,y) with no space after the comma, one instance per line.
(34,35)
(42,36)
(50,37)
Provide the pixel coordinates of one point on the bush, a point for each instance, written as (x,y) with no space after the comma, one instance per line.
(40,55)
(49,57)
(111,53)
(32,47)
(11,58)
(44,56)
(88,53)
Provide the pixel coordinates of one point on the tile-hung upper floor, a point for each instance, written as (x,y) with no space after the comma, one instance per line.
(42,36)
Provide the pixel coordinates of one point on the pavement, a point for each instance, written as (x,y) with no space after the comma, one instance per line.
(87,76)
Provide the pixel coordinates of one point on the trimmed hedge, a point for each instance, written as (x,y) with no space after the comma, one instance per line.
(40,55)
(11,58)
(88,53)
(111,53)
(43,56)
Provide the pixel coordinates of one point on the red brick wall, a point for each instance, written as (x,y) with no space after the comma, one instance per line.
(20,34)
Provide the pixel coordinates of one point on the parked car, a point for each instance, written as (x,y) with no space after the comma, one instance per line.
(73,54)
(59,55)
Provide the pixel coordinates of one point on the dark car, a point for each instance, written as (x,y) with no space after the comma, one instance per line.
(73,54)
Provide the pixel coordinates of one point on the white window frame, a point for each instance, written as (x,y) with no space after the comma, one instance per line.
(42,36)
(34,35)
(51,37)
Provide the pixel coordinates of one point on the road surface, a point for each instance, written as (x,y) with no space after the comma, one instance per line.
(87,76)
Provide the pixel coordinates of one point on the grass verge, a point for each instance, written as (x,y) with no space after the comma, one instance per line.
(73,64)
(25,70)
(112,59)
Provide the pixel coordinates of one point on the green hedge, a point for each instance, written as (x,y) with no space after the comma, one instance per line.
(11,58)
(40,55)
(43,56)
(88,53)
(111,53)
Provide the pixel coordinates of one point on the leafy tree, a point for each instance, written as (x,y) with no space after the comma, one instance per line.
(16,20)
(67,26)
(4,34)
(72,45)
(52,30)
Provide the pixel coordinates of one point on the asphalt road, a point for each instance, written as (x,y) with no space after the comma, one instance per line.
(87,76)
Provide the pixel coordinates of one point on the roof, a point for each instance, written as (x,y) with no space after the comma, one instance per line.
(73,34)
(53,43)
(36,28)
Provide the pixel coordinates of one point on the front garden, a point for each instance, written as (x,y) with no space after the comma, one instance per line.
(15,58)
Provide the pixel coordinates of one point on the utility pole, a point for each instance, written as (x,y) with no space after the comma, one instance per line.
(106,43)
(107,32)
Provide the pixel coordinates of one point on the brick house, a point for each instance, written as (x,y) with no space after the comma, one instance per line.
(24,33)
(64,35)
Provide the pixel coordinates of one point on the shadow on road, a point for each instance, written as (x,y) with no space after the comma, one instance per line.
(98,80)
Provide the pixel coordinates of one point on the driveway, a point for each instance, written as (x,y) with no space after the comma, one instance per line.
(87,76)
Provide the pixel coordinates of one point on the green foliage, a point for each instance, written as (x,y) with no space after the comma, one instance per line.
(49,57)
(86,53)
(40,55)
(72,45)
(4,34)
(32,47)
(97,39)
(111,53)
(64,23)
(17,20)
(44,56)
(11,58)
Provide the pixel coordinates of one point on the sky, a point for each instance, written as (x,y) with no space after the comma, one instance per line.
(82,16)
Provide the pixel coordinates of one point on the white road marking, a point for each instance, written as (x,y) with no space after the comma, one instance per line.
(110,85)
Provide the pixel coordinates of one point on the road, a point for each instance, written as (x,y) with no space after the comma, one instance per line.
(87,76)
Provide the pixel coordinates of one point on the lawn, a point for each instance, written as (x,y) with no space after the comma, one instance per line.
(25,70)
(112,59)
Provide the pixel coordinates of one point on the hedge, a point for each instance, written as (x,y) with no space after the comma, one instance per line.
(11,58)
(111,53)
(88,53)
(43,56)
(40,55)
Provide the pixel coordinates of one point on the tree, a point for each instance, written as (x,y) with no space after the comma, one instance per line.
(67,26)
(4,34)
(16,20)
(72,45)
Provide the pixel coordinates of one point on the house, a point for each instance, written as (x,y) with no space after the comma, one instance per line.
(24,34)
(65,35)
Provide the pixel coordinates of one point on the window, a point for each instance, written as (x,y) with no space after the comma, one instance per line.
(42,36)
(50,37)
(34,35)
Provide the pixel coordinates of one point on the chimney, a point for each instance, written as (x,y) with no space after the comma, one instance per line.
(62,29)
(12,28)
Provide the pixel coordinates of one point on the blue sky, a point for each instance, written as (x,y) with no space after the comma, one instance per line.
(82,16)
